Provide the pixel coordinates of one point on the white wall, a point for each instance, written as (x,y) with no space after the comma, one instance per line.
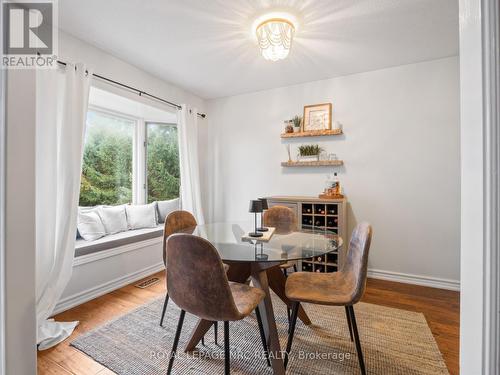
(472,300)
(20,318)
(3,144)
(401,154)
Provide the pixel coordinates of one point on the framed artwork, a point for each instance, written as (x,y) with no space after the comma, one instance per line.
(317,117)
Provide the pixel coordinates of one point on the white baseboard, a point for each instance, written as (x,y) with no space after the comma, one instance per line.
(432,282)
(87,295)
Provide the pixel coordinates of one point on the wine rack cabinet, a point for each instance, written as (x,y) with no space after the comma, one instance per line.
(322,214)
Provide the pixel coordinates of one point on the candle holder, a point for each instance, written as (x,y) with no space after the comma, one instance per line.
(259,255)
(255,208)
(264,207)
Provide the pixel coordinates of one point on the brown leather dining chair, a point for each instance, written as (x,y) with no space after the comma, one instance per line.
(198,284)
(175,222)
(282,218)
(285,221)
(343,288)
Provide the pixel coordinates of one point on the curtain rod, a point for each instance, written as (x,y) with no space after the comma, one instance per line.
(140,92)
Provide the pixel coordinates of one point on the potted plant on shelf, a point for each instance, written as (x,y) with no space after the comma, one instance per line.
(309,152)
(297,122)
(288,126)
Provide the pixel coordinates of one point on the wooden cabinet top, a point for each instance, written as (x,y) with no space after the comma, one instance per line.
(294,198)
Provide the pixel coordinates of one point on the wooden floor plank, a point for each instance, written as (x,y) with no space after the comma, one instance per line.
(48,367)
(441,308)
(79,363)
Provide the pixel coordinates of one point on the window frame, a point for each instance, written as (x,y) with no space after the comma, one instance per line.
(139,149)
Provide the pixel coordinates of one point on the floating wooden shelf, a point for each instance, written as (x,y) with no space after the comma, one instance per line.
(315,133)
(321,163)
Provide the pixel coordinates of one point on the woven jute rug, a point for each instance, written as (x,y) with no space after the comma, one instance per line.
(394,342)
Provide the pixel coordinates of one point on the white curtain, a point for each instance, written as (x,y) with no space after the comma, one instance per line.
(188,158)
(62,101)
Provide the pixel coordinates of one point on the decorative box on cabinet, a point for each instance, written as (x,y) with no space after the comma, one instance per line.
(317,213)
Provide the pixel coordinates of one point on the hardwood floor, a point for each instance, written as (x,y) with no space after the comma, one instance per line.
(440,307)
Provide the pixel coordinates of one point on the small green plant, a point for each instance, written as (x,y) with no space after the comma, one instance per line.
(297,121)
(309,150)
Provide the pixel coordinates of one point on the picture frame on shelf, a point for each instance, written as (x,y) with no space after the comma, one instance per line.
(317,117)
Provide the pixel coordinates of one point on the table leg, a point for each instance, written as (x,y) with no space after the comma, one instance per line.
(277,283)
(201,329)
(259,279)
(238,272)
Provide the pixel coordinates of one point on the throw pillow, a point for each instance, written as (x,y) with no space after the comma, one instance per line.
(166,207)
(141,216)
(114,218)
(90,226)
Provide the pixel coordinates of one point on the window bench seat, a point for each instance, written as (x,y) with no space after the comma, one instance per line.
(115,240)
(112,262)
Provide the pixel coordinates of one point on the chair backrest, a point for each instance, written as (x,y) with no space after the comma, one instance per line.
(356,264)
(196,279)
(282,218)
(175,222)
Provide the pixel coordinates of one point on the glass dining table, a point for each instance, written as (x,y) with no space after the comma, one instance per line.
(259,260)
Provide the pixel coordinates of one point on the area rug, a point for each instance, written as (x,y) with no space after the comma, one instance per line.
(394,342)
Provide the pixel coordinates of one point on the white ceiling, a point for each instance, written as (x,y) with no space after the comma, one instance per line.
(206,46)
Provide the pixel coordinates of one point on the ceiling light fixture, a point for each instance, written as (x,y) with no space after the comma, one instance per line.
(275,35)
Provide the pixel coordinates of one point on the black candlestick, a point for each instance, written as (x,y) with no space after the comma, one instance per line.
(260,255)
(255,208)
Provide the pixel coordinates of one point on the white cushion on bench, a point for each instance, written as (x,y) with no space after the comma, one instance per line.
(90,225)
(141,216)
(114,218)
(166,207)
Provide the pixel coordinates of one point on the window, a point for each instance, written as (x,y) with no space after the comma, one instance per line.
(107,160)
(162,158)
(128,157)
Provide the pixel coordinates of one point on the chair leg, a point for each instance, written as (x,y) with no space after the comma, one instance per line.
(356,340)
(216,329)
(348,321)
(164,310)
(176,342)
(262,335)
(291,331)
(294,268)
(288,311)
(227,353)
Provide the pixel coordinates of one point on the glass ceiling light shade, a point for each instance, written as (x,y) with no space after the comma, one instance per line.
(275,36)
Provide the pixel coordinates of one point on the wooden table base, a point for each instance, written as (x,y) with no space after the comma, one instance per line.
(277,281)
(260,280)
(264,275)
